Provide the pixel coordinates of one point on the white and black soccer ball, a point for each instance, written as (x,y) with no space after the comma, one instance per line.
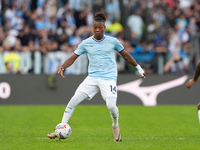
(63,130)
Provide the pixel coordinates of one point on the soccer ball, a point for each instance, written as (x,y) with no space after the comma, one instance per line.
(63,130)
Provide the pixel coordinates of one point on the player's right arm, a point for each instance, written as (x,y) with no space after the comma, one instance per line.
(196,76)
(66,64)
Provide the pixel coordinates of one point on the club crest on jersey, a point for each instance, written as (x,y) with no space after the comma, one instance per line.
(107,43)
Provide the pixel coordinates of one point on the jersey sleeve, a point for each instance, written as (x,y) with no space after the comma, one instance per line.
(80,49)
(118,46)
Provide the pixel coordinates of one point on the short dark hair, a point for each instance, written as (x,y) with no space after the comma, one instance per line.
(100,17)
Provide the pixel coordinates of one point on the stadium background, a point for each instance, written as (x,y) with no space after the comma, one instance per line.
(37,35)
(162,35)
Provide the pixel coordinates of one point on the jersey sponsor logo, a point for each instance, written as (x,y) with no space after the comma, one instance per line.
(5,90)
(91,45)
(148,95)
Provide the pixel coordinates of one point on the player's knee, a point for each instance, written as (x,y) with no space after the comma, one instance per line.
(111,103)
(77,98)
(111,107)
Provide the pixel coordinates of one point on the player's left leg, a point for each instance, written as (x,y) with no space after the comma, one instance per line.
(108,90)
(114,112)
(198,107)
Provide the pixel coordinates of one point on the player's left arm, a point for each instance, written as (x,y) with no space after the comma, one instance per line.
(196,76)
(132,61)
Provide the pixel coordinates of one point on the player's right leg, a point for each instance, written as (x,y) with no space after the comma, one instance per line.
(52,135)
(75,100)
(86,90)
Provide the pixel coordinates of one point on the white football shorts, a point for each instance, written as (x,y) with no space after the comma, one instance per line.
(91,86)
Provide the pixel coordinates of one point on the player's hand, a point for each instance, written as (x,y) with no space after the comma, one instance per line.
(141,72)
(60,71)
(142,76)
(190,83)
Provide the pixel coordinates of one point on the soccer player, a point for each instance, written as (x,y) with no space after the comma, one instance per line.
(102,72)
(193,81)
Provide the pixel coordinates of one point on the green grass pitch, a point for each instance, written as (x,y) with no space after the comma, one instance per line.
(165,127)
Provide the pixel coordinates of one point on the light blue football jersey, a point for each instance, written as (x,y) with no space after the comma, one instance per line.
(101,55)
